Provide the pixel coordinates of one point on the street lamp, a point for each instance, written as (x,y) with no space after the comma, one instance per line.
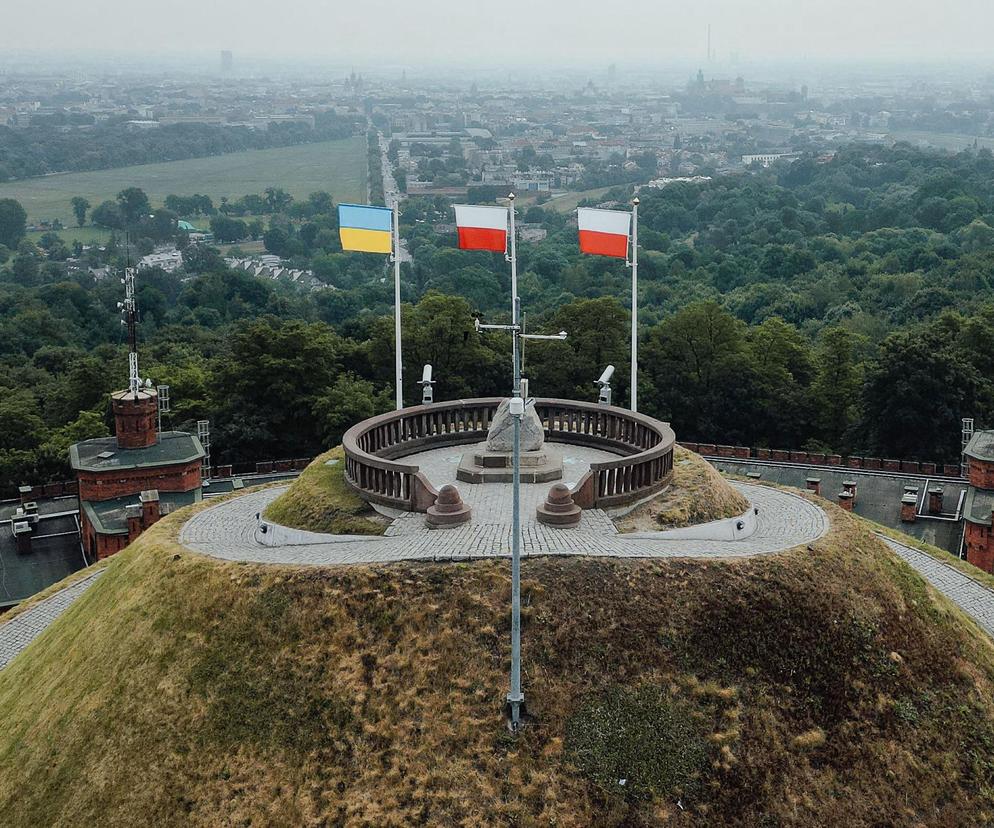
(515,698)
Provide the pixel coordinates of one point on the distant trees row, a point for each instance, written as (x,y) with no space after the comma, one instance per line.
(47,148)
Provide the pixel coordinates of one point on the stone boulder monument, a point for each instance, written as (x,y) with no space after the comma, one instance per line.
(494,463)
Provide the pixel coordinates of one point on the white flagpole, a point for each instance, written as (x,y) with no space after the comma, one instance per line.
(398,364)
(514,265)
(635,301)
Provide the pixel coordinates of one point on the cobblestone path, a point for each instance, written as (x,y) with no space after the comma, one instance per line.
(973,598)
(230,531)
(22,629)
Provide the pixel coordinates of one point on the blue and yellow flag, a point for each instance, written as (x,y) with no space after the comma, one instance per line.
(366,229)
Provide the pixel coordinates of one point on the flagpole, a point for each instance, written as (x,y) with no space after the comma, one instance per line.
(398,363)
(635,301)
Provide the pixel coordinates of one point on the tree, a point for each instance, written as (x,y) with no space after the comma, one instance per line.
(916,392)
(134,205)
(349,401)
(108,214)
(836,387)
(228,230)
(599,333)
(696,373)
(79,207)
(13,222)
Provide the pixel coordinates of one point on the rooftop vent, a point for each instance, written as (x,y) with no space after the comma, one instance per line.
(105,455)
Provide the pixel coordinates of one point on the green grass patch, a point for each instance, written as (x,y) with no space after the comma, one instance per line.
(320,501)
(339,167)
(639,744)
(84,235)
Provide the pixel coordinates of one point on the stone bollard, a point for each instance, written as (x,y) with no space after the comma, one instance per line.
(559,508)
(814,485)
(846,501)
(448,509)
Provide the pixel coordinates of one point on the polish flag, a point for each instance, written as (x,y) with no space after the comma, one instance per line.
(481,228)
(604,232)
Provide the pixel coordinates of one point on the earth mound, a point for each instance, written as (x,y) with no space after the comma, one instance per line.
(698,494)
(825,686)
(320,501)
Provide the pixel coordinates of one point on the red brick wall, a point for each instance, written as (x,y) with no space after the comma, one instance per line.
(111,484)
(980,546)
(981,474)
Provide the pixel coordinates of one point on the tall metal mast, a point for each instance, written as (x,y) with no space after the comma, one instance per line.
(130,309)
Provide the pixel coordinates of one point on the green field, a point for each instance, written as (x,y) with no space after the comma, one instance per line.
(85,235)
(338,167)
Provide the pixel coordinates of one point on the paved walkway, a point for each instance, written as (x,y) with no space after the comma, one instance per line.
(229,531)
(22,629)
(973,598)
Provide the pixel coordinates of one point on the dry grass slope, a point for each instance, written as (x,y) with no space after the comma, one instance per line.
(320,501)
(823,687)
(698,494)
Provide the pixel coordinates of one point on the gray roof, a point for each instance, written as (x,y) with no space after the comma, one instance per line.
(108,517)
(55,554)
(103,453)
(978,505)
(878,495)
(981,446)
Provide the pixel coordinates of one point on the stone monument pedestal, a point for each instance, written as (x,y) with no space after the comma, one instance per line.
(539,466)
(495,463)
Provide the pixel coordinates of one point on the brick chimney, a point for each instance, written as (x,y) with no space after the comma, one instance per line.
(935,500)
(909,506)
(846,501)
(814,485)
(22,537)
(850,486)
(135,418)
(150,507)
(133,513)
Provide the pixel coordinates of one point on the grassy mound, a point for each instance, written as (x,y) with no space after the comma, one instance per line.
(823,687)
(319,501)
(698,494)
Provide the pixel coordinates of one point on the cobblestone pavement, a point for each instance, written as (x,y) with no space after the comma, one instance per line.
(228,531)
(974,599)
(22,629)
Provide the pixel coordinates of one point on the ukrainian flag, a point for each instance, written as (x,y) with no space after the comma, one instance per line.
(366,229)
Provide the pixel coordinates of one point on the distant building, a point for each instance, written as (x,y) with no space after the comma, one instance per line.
(127,482)
(769,158)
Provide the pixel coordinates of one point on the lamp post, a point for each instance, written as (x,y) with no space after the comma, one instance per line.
(515,698)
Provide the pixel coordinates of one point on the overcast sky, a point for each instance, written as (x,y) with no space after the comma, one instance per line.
(545,31)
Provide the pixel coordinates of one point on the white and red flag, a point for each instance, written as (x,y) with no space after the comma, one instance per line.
(604,232)
(481,228)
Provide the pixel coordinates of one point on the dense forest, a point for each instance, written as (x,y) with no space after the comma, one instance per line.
(842,304)
(53,147)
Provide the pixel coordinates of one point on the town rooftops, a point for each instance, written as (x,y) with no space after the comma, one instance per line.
(103,453)
(109,517)
(981,447)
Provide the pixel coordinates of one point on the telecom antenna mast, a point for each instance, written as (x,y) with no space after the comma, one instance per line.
(130,308)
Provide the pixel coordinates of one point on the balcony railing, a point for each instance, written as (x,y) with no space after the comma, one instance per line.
(373,447)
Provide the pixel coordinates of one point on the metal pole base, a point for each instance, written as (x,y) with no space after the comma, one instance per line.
(514,712)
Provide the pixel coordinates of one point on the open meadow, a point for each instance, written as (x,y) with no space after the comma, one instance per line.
(338,167)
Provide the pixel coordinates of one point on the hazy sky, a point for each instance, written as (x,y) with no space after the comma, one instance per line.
(545,31)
